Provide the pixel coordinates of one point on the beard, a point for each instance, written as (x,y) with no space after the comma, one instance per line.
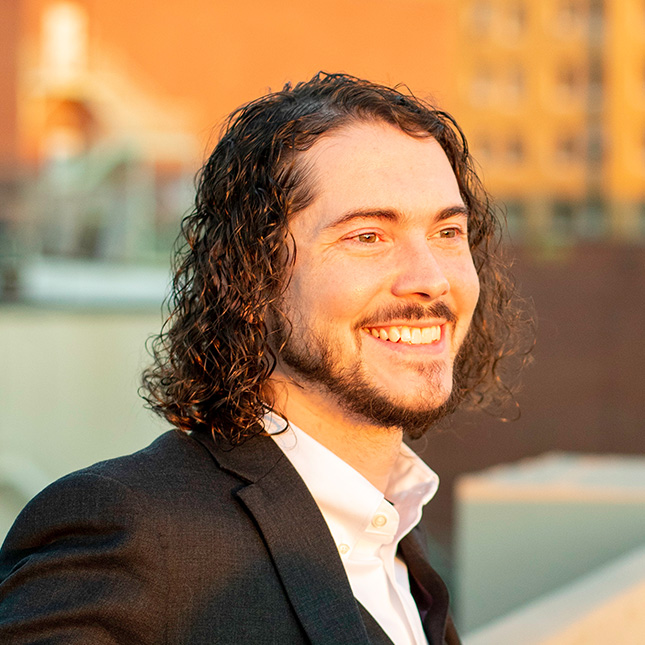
(316,360)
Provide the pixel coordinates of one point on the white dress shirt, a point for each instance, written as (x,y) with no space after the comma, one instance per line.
(366,526)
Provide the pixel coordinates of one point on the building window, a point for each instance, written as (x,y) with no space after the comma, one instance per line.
(580,18)
(482,87)
(570,17)
(516,84)
(516,20)
(569,82)
(515,150)
(563,220)
(593,222)
(482,148)
(568,149)
(481,17)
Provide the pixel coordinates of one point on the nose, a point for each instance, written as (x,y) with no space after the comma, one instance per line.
(420,273)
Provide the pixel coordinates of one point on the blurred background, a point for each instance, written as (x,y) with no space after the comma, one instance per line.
(109,109)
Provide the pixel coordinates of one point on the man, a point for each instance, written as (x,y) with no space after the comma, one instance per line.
(339,289)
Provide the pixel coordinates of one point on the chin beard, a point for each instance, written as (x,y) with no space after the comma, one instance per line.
(315,362)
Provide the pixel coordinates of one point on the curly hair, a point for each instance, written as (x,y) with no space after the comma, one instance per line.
(213,358)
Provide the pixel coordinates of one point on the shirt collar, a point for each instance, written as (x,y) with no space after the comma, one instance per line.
(346,499)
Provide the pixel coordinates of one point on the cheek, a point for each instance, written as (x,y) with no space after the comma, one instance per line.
(337,291)
(465,286)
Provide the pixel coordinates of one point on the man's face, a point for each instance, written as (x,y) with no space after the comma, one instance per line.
(383,287)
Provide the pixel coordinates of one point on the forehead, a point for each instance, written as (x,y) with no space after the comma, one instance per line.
(376,165)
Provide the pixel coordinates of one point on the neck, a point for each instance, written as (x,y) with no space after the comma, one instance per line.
(370,450)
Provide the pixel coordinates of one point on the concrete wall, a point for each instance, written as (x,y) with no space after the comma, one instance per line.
(68,395)
(528,528)
(605,606)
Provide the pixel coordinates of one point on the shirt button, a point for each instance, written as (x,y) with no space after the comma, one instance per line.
(379,520)
(343,549)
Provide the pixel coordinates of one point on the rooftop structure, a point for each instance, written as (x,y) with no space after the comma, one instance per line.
(528,528)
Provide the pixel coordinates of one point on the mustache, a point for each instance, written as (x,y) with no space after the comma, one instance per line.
(409,311)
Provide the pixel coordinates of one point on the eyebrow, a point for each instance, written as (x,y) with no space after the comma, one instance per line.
(393,215)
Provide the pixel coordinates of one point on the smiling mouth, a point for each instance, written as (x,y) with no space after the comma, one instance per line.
(406,334)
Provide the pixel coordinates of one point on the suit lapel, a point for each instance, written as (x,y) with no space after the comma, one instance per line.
(431,586)
(298,539)
(375,632)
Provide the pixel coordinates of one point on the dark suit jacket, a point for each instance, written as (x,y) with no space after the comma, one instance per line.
(189,544)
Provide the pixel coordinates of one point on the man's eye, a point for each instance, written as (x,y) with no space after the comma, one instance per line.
(367,238)
(450,232)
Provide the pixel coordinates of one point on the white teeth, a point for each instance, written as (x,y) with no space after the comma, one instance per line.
(405,334)
(394,334)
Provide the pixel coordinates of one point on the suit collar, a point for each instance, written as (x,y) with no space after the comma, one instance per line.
(250,461)
(297,538)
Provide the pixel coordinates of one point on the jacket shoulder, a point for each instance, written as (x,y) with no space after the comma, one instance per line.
(88,542)
(102,551)
(170,456)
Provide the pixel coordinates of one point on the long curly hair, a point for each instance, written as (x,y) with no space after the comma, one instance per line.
(213,357)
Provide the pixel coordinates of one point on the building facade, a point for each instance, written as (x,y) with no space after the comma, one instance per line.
(553,97)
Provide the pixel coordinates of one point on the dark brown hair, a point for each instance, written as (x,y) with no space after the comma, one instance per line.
(213,357)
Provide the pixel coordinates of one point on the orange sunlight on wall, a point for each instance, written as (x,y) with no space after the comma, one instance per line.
(225,53)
